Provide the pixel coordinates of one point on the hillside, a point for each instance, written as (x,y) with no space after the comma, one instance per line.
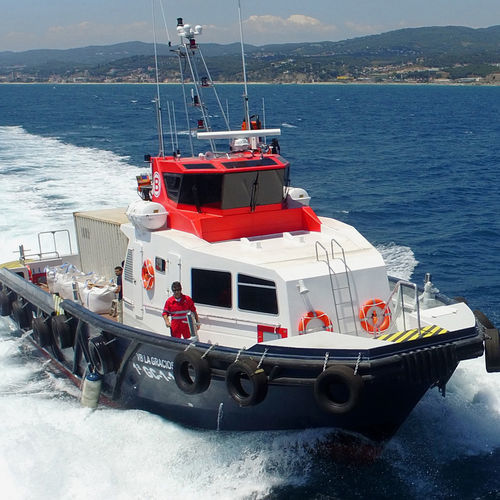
(412,53)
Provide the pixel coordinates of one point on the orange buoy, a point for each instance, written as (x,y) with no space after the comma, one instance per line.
(309,316)
(148,275)
(375,316)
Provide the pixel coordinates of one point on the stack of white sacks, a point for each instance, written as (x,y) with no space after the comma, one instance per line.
(90,290)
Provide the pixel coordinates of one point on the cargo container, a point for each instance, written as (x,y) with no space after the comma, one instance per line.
(101,244)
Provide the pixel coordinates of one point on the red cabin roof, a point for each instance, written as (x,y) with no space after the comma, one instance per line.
(222,197)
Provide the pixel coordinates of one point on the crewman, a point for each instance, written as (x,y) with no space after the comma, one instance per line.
(176,310)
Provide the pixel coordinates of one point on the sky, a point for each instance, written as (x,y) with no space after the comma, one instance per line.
(62,24)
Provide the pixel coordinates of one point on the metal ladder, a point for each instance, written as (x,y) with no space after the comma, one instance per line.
(339,289)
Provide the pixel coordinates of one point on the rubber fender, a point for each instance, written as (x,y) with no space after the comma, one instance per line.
(42,332)
(483,319)
(337,389)
(91,390)
(64,336)
(246,383)
(101,356)
(21,315)
(5,304)
(191,372)
(492,350)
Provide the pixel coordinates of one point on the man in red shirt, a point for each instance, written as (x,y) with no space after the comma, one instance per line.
(175,312)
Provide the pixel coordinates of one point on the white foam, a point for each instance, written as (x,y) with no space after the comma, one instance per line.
(51,447)
(400,260)
(45,180)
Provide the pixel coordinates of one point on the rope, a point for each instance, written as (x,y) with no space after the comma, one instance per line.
(165,23)
(327,355)
(357,363)
(263,356)
(209,349)
(238,355)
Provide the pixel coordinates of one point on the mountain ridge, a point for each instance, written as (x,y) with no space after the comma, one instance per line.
(433,46)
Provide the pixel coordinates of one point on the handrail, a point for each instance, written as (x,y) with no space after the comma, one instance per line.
(54,240)
(238,320)
(23,255)
(330,273)
(398,288)
(347,270)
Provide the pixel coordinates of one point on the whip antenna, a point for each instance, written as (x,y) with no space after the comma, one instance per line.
(158,102)
(245,95)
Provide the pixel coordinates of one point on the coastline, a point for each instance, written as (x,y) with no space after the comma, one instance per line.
(409,83)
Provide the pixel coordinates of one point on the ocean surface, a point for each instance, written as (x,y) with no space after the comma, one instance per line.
(416,169)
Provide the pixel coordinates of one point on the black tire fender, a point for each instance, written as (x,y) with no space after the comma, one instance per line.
(492,350)
(246,382)
(63,334)
(337,389)
(191,372)
(483,319)
(101,356)
(5,304)
(21,315)
(42,332)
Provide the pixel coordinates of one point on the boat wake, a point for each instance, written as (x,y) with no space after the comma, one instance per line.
(400,260)
(45,432)
(37,170)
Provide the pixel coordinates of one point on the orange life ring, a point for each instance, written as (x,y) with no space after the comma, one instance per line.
(148,275)
(306,319)
(375,315)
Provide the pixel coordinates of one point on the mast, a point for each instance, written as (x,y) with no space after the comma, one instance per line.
(245,94)
(158,102)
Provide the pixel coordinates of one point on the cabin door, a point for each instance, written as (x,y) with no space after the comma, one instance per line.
(174,268)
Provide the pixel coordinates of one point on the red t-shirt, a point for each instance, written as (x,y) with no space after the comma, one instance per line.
(178,309)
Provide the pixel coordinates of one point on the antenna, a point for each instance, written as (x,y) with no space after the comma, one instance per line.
(245,95)
(158,102)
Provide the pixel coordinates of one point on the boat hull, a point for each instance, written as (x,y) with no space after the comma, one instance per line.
(139,371)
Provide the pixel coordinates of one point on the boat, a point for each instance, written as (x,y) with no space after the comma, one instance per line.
(300,325)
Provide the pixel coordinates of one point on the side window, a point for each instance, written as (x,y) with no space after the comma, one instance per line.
(173,184)
(256,294)
(212,288)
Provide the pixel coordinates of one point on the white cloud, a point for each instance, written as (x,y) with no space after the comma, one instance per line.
(269,23)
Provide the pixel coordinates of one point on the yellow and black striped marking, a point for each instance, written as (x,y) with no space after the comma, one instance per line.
(426,331)
(57,301)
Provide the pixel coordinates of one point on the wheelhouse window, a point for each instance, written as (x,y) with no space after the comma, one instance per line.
(229,190)
(212,288)
(256,294)
(250,189)
(194,189)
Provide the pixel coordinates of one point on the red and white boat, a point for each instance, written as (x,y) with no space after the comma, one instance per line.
(300,324)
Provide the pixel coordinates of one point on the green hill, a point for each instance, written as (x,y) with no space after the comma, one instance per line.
(428,49)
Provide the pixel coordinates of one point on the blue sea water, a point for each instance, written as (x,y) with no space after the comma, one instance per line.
(414,168)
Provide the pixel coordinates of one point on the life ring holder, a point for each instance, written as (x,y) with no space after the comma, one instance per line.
(191,372)
(309,316)
(148,275)
(369,314)
(337,389)
(254,390)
